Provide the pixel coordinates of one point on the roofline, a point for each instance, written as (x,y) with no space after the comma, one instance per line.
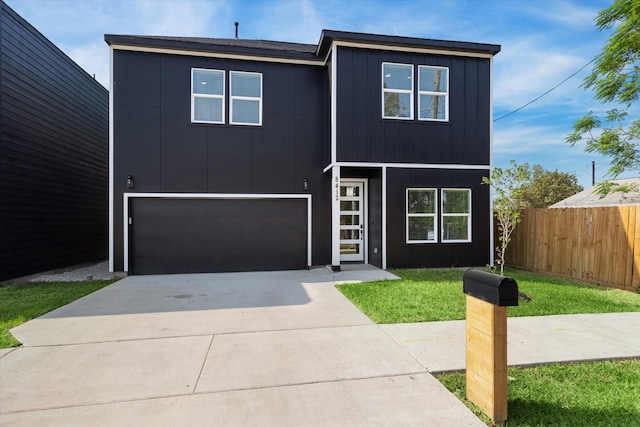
(132,42)
(329,36)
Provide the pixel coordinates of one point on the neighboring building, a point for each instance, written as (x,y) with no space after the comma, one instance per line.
(54,122)
(589,198)
(237,155)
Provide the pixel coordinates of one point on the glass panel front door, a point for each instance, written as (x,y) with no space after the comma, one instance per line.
(352,221)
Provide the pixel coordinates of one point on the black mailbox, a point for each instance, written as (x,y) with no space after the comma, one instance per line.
(492,288)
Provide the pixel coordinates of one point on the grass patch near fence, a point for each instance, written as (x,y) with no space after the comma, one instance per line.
(424,295)
(20,303)
(580,394)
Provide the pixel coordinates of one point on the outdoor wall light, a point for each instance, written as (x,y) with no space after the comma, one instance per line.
(305,184)
(129,181)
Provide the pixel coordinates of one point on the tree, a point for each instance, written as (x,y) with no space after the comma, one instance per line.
(508,187)
(615,78)
(548,187)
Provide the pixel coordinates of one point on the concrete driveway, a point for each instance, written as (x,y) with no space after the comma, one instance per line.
(275,348)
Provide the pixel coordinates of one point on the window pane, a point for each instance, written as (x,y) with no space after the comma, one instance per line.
(207,109)
(349,191)
(349,248)
(210,82)
(397,76)
(455,228)
(421,228)
(397,104)
(349,219)
(349,205)
(349,234)
(433,79)
(421,201)
(432,107)
(245,85)
(245,111)
(455,201)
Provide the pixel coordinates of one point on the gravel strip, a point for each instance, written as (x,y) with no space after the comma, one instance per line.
(98,271)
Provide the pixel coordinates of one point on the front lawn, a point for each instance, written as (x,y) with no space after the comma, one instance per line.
(424,295)
(581,394)
(20,303)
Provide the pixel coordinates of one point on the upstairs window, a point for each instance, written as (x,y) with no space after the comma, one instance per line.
(422,219)
(207,96)
(397,91)
(246,98)
(433,93)
(456,215)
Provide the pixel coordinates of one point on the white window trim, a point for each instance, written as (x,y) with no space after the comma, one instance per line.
(468,215)
(410,92)
(246,98)
(419,215)
(425,92)
(204,95)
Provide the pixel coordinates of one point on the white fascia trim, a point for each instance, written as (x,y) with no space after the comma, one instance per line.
(222,196)
(410,165)
(335,216)
(111,206)
(384,218)
(208,54)
(406,166)
(334,102)
(412,49)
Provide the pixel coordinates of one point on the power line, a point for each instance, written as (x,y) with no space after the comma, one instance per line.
(547,92)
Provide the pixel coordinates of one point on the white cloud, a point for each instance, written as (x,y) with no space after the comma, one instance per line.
(291,21)
(564,13)
(526,69)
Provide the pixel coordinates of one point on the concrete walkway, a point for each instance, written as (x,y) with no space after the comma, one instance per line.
(269,349)
(278,348)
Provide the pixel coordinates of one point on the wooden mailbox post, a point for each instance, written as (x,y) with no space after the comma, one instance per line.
(488,296)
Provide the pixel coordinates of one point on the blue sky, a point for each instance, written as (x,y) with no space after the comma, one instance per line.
(543,42)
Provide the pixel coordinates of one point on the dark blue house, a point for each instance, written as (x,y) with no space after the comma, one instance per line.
(236,155)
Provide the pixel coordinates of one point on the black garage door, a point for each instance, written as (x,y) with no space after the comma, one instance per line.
(216,235)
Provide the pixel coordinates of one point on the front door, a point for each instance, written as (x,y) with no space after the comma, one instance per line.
(352,219)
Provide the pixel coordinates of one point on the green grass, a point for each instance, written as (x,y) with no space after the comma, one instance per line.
(20,303)
(581,394)
(425,295)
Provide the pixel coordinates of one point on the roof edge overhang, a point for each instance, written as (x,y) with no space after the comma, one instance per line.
(194,47)
(299,53)
(329,37)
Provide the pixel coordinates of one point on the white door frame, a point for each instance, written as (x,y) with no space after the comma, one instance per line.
(364,218)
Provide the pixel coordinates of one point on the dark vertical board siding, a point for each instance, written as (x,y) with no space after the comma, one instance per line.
(366,137)
(53,155)
(401,254)
(155,141)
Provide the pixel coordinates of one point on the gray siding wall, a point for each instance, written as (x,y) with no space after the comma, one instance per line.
(54,121)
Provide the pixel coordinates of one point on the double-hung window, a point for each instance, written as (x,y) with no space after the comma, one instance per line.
(207,96)
(456,215)
(397,91)
(246,98)
(433,93)
(422,215)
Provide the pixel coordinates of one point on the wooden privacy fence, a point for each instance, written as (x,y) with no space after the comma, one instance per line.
(600,244)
